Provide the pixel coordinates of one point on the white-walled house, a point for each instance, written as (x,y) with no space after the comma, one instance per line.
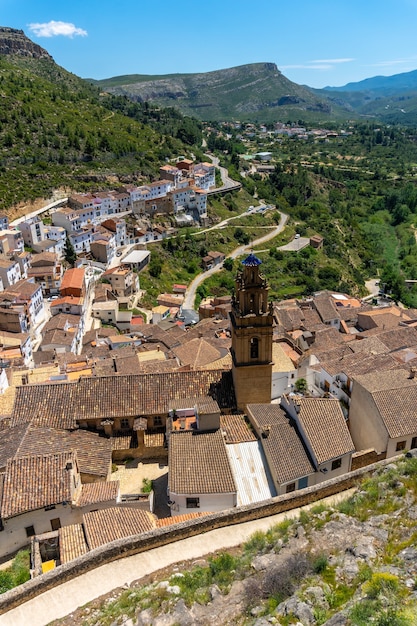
(33,231)
(10,272)
(383,414)
(306,440)
(200,477)
(38,492)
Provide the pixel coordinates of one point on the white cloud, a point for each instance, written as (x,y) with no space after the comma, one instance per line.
(332,61)
(53,29)
(395,62)
(322,66)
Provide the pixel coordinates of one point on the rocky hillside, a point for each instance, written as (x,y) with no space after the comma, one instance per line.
(351,565)
(257,90)
(14,41)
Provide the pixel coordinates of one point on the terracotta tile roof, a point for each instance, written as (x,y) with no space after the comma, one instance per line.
(399,338)
(178,519)
(356,364)
(93,451)
(73,279)
(72,542)
(398,410)
(10,440)
(33,482)
(62,405)
(92,493)
(325,427)
(158,367)
(390,380)
(196,353)
(283,446)
(235,429)
(153,440)
(113,523)
(62,321)
(198,464)
(124,440)
(371,345)
(325,307)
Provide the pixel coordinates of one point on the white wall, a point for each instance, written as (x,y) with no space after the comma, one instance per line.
(208,502)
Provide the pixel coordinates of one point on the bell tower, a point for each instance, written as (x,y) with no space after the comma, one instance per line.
(252,328)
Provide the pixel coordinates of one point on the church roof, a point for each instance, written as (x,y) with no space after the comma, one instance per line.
(251,261)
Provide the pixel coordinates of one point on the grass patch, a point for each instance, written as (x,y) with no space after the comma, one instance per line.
(17,574)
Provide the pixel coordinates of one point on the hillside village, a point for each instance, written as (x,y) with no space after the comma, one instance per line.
(256,400)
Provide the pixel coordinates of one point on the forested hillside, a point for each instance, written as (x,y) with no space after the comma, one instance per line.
(56,131)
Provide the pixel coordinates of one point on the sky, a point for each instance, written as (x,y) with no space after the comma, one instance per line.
(313,42)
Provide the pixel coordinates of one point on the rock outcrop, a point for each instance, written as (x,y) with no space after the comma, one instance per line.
(13,41)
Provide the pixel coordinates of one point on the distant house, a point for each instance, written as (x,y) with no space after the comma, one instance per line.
(316,241)
(73,282)
(47,272)
(10,272)
(212,259)
(123,280)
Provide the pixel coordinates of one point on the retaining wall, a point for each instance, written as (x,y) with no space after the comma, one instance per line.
(163,536)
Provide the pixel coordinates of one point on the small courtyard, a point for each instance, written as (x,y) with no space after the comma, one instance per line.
(131,474)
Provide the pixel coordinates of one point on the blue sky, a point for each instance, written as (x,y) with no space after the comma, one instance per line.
(313,42)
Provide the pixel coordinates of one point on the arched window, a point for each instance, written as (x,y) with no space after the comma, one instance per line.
(254,348)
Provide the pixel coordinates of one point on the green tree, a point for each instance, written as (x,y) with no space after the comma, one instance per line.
(69,252)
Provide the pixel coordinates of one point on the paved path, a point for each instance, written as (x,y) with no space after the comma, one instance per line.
(66,598)
(192,287)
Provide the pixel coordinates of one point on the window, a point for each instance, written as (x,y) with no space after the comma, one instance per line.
(157,420)
(414,442)
(290,487)
(124,423)
(55,523)
(336,464)
(400,445)
(193,503)
(254,348)
(303,482)
(30,531)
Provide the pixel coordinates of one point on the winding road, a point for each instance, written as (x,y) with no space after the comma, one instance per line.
(192,288)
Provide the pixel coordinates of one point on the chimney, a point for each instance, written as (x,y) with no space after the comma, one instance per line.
(413,372)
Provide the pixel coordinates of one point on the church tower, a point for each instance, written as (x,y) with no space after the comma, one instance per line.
(252,328)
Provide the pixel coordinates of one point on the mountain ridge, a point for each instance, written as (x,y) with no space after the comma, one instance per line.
(238,92)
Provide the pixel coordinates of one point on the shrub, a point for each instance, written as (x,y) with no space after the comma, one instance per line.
(381,583)
(320,564)
(147,485)
(282,580)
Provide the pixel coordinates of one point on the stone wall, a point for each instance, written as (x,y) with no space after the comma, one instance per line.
(163,536)
(364,458)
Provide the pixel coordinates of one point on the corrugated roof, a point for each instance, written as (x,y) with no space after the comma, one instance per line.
(249,468)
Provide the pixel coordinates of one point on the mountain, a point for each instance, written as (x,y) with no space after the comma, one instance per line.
(389,99)
(385,85)
(254,91)
(58,131)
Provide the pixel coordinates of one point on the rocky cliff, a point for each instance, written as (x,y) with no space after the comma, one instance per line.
(15,42)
